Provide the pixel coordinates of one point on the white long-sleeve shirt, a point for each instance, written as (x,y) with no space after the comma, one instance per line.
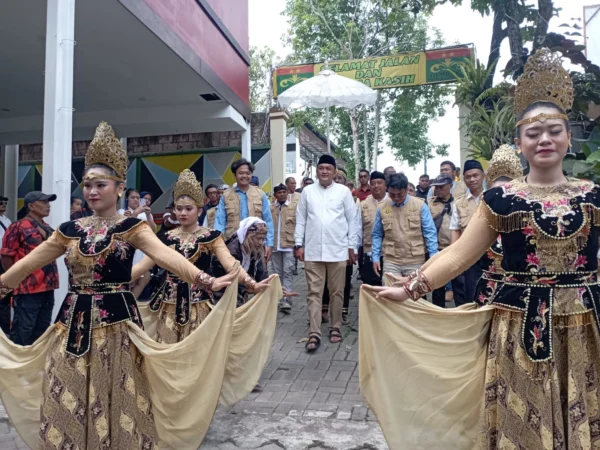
(326,222)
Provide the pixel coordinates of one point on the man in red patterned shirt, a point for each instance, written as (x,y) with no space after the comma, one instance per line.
(34,297)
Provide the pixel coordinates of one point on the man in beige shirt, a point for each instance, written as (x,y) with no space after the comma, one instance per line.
(463,209)
(283,211)
(440,206)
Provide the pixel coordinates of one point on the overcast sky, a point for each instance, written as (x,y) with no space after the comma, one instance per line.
(458,25)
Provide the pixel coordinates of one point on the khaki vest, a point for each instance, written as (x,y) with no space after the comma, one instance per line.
(210,218)
(465,207)
(232,208)
(444,233)
(459,189)
(403,241)
(368,211)
(288,224)
(295,197)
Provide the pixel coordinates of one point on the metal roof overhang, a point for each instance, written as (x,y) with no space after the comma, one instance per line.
(312,144)
(123,73)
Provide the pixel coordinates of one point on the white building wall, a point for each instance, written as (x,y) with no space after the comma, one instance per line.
(591,15)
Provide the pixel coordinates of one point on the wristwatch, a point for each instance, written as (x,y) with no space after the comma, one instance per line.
(296,247)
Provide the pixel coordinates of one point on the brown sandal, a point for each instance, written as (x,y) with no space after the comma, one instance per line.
(313,344)
(335,336)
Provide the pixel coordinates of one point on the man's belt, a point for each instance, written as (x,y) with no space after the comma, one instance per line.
(533,294)
(93,306)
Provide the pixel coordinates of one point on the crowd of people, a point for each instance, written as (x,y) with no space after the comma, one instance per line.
(527,245)
(382,225)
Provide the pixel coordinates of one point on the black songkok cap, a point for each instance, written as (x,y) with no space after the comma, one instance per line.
(375,175)
(327,159)
(280,187)
(471,164)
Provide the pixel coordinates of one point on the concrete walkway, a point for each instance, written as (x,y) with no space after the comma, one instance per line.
(306,401)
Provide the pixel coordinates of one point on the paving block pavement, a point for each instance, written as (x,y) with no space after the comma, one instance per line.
(303,400)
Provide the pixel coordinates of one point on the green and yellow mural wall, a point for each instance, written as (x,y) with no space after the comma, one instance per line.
(157,173)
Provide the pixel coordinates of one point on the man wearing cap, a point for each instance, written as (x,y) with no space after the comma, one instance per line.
(34,297)
(242,201)
(368,212)
(403,232)
(283,211)
(458,188)
(254,181)
(4,302)
(463,209)
(440,206)
(325,239)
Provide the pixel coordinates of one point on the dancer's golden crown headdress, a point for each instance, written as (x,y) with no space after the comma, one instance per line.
(544,80)
(106,149)
(504,163)
(187,184)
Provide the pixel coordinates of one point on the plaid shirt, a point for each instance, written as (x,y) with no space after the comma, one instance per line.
(21,238)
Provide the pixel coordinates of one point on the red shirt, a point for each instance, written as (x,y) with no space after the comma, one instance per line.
(21,238)
(361,193)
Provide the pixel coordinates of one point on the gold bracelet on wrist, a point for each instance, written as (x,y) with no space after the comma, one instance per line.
(417,286)
(250,282)
(204,281)
(4,289)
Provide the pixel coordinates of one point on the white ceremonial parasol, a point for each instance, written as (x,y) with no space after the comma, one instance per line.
(325,90)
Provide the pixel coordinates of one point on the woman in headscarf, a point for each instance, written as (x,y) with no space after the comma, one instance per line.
(541,386)
(180,308)
(247,245)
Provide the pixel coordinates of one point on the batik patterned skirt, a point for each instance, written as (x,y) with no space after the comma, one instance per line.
(169,331)
(544,405)
(100,400)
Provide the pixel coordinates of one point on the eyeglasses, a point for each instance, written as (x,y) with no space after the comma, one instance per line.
(3,203)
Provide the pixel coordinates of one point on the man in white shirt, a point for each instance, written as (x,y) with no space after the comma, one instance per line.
(4,302)
(325,240)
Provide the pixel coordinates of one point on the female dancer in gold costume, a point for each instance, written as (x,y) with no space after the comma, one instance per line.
(542,388)
(95,392)
(180,307)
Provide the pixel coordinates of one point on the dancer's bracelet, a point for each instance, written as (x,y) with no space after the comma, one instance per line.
(4,289)
(417,286)
(204,281)
(250,282)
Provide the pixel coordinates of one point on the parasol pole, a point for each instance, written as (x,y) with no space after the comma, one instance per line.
(328,141)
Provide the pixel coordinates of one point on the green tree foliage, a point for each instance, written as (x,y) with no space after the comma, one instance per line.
(352,29)
(408,125)
(518,21)
(263,60)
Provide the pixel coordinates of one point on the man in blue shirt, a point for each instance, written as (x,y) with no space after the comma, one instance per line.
(403,232)
(244,201)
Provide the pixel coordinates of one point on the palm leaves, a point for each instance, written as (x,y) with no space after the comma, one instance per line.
(490,121)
